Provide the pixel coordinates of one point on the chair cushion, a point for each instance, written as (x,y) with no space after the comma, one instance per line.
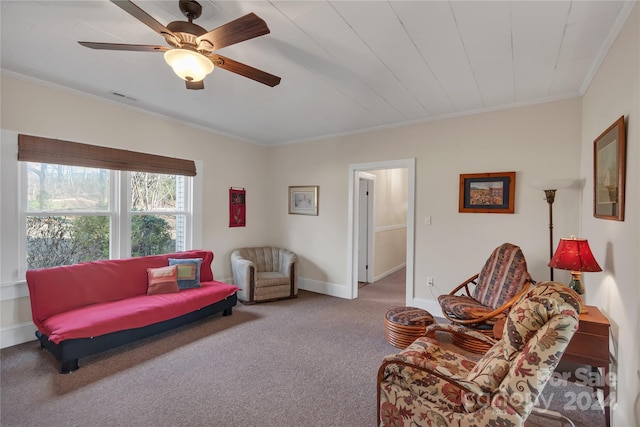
(409,316)
(462,307)
(488,373)
(537,332)
(264,258)
(533,310)
(271,278)
(502,277)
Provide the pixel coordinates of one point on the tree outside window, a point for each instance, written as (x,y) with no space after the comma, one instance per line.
(70,216)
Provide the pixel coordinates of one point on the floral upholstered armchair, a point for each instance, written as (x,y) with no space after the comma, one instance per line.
(264,274)
(427,384)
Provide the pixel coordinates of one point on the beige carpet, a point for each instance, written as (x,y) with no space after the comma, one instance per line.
(311,361)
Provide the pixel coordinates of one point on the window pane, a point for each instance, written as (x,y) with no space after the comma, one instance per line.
(156,192)
(66,188)
(156,234)
(64,240)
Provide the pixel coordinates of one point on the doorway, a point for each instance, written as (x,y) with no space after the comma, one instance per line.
(354,219)
(366,195)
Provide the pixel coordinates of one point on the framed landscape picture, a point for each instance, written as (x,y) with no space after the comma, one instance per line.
(609,150)
(303,200)
(487,192)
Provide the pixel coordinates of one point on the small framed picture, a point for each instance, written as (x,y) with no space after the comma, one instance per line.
(303,200)
(609,150)
(487,192)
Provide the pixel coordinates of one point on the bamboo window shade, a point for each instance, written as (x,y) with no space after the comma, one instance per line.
(60,152)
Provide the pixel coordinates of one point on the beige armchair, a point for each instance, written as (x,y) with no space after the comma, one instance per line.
(264,274)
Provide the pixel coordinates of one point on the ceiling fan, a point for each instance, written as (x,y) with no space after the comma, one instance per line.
(191,54)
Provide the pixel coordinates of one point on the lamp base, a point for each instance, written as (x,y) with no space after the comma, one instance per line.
(576,282)
(583,308)
(576,285)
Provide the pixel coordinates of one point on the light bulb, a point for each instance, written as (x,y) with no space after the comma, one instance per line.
(188,64)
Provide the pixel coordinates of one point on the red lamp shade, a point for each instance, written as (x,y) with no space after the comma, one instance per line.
(574,254)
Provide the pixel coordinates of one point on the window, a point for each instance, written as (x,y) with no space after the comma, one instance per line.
(84,208)
(68,214)
(158,219)
(72,216)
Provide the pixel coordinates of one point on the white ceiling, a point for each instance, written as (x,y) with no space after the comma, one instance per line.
(346,66)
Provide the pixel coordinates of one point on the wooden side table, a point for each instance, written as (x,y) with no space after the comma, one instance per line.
(588,346)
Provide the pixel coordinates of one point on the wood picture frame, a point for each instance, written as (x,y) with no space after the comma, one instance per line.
(303,200)
(487,192)
(609,172)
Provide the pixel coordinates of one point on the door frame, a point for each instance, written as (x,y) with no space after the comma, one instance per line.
(354,218)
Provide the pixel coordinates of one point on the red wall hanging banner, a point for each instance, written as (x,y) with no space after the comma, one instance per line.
(237,208)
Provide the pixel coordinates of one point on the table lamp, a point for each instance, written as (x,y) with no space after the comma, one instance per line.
(574,254)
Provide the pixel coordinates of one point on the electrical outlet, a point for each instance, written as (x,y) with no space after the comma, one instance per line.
(430,281)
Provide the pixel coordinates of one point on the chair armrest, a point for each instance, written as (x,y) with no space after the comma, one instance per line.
(493,314)
(457,380)
(425,365)
(457,330)
(465,285)
(241,268)
(287,258)
(470,389)
(503,308)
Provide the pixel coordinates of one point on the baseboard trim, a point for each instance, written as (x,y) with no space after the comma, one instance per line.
(389,272)
(228,280)
(331,289)
(24,332)
(426,304)
(17,334)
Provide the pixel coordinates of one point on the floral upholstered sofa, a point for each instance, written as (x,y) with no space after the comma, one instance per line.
(428,384)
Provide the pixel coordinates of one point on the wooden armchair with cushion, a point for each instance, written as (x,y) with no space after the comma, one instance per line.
(502,280)
(264,274)
(435,384)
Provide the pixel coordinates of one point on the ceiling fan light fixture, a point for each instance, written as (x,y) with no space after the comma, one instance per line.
(188,64)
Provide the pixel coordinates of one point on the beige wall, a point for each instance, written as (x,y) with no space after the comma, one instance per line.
(615,92)
(390,252)
(38,110)
(538,142)
(390,229)
(541,141)
(41,110)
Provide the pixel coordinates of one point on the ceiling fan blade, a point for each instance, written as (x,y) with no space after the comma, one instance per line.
(120,46)
(239,30)
(195,85)
(142,16)
(245,70)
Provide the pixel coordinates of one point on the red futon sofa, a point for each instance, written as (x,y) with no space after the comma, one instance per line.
(87,308)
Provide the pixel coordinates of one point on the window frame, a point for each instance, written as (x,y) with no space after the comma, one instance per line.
(125,236)
(119,213)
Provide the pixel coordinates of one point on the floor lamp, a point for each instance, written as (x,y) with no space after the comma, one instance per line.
(550,188)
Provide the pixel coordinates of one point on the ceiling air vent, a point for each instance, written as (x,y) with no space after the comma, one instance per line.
(119,95)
